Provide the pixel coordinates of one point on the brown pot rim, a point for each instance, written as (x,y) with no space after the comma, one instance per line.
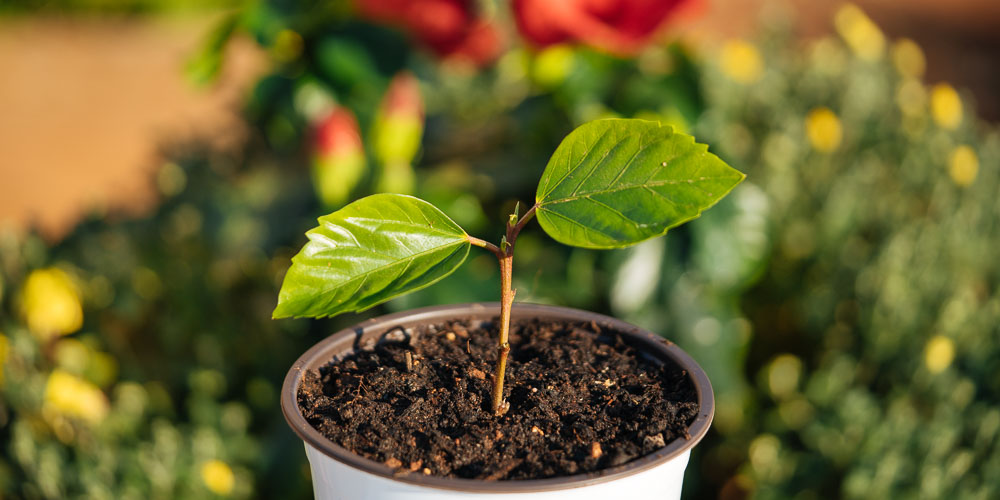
(343,341)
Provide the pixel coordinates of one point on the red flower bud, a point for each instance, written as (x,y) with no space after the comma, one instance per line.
(403,99)
(399,124)
(338,134)
(617,26)
(339,159)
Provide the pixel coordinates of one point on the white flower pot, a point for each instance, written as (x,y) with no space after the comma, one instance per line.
(341,475)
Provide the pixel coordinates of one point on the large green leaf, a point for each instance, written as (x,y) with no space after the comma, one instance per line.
(368,252)
(614,183)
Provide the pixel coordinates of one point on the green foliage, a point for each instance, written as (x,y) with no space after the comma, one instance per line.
(864,322)
(614,183)
(368,252)
(181,387)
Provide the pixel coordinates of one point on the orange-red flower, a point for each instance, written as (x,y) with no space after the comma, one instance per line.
(618,26)
(450,28)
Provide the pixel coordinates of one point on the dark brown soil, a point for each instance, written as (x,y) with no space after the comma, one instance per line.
(580,401)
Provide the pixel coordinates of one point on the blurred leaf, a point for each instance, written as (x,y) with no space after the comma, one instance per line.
(348,64)
(368,252)
(614,183)
(203,67)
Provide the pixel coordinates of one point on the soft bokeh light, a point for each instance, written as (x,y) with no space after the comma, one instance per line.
(50,303)
(946,106)
(741,61)
(218,477)
(963,165)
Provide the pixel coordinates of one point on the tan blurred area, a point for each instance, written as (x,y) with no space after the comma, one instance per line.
(85,103)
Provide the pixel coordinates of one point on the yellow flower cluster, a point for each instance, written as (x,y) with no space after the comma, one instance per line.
(50,303)
(741,61)
(861,34)
(69,395)
(218,477)
(824,130)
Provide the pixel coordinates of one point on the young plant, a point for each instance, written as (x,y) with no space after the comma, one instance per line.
(610,184)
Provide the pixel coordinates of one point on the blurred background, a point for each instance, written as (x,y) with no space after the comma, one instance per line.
(160,161)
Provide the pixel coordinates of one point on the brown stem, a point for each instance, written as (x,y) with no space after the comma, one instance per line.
(506,257)
(503,347)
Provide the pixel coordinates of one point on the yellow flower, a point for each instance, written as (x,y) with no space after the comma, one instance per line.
(50,303)
(908,58)
(218,477)
(553,64)
(860,33)
(963,165)
(946,106)
(824,130)
(3,355)
(741,61)
(939,354)
(70,395)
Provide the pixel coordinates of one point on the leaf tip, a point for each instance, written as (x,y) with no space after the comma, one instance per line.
(279,313)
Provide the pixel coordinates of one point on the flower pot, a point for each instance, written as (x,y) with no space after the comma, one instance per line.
(342,475)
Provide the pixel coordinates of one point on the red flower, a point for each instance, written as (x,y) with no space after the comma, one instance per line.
(617,26)
(448,27)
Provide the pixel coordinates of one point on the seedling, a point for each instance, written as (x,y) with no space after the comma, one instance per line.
(610,184)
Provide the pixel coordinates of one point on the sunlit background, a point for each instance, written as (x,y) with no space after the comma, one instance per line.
(160,161)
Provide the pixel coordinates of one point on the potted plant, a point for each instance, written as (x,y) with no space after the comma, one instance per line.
(417,405)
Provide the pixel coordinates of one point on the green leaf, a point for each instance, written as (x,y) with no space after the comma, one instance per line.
(368,252)
(614,183)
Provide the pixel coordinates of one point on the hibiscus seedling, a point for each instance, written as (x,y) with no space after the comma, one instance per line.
(610,184)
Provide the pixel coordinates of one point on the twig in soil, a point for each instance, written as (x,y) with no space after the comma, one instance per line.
(509,466)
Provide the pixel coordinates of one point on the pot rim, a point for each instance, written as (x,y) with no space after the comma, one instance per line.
(345,340)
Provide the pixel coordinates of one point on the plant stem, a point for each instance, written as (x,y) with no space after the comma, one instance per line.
(503,348)
(506,258)
(520,225)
